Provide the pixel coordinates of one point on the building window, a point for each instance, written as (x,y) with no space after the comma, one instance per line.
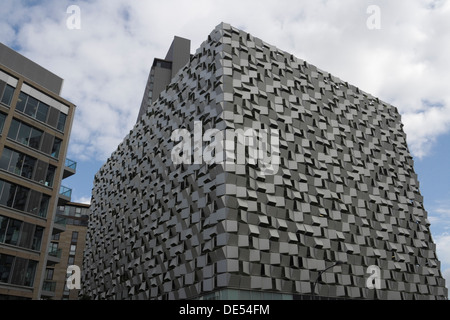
(31,107)
(43,207)
(73,249)
(17,270)
(25,134)
(66,293)
(61,122)
(49,274)
(3,227)
(13,196)
(6,262)
(74,236)
(7,193)
(29,275)
(15,232)
(53,247)
(71,261)
(37,238)
(27,167)
(29,164)
(35,138)
(8,95)
(56,147)
(23,199)
(18,163)
(2,121)
(41,111)
(21,102)
(50,176)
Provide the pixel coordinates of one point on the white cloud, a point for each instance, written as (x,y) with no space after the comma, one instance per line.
(84,200)
(105,64)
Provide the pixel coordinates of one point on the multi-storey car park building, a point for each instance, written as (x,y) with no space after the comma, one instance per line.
(342,189)
(35,124)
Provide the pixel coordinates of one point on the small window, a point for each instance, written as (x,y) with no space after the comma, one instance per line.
(31,107)
(2,121)
(28,167)
(50,176)
(12,134)
(42,112)
(3,226)
(6,263)
(13,232)
(37,238)
(53,247)
(15,165)
(21,102)
(35,138)
(44,205)
(31,271)
(21,198)
(24,134)
(6,157)
(7,195)
(74,237)
(49,274)
(56,147)
(61,122)
(8,95)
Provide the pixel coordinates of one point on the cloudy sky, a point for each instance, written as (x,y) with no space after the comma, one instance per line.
(396,50)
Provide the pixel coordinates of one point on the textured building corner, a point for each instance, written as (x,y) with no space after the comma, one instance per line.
(345,190)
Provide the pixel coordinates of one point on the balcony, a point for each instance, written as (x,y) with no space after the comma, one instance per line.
(59,225)
(70,168)
(54,256)
(65,195)
(48,289)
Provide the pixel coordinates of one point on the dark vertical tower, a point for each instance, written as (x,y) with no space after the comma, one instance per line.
(163,70)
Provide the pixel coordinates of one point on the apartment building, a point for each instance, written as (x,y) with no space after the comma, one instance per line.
(35,125)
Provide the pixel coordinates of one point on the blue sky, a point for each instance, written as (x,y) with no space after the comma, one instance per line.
(105,64)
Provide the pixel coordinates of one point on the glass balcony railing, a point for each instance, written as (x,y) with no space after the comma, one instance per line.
(71,164)
(66,192)
(49,286)
(55,253)
(61,220)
